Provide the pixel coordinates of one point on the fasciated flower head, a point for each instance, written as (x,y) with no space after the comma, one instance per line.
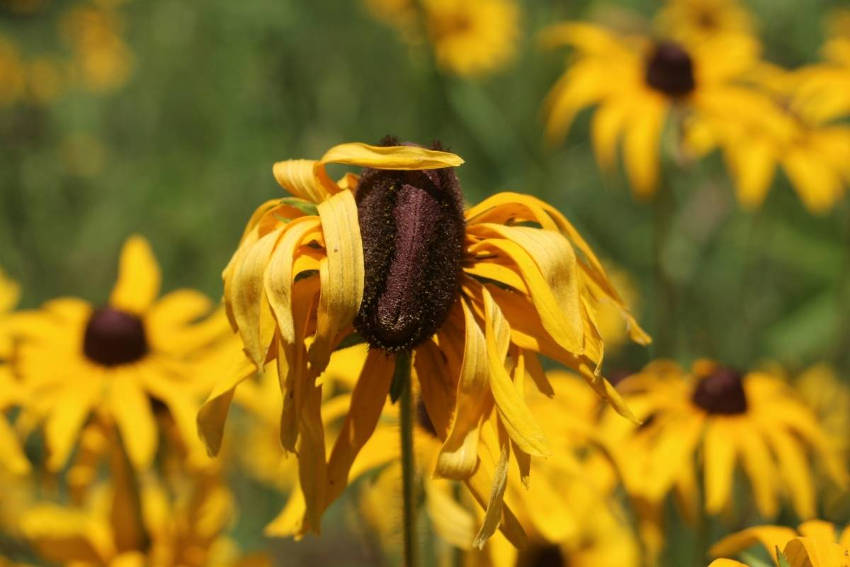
(711,418)
(655,77)
(813,543)
(127,363)
(476,303)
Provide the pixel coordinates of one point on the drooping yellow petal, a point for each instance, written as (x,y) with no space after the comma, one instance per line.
(752,162)
(290,521)
(817,184)
(794,468)
(516,416)
(495,503)
(819,531)
(131,409)
(390,157)
(435,385)
(213,413)
(342,274)
(805,552)
(11,455)
(459,453)
(773,538)
(138,277)
(64,423)
(312,467)
(367,401)
(305,178)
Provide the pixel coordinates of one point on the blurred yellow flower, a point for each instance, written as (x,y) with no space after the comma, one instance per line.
(102,61)
(612,327)
(472,37)
(655,80)
(837,46)
(723,417)
(124,363)
(476,296)
(829,397)
(12,70)
(795,124)
(148,524)
(814,544)
(11,393)
(697,21)
(469,37)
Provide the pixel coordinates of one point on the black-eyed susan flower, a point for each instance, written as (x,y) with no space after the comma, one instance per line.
(813,544)
(101,61)
(124,364)
(709,420)
(475,295)
(796,124)
(468,37)
(656,80)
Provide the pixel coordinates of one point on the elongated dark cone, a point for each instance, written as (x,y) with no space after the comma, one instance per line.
(721,392)
(670,70)
(114,337)
(412,227)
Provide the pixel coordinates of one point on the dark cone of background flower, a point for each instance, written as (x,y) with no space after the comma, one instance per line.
(541,556)
(412,227)
(670,70)
(721,392)
(114,337)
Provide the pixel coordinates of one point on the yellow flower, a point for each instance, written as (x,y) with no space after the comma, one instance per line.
(12,70)
(814,544)
(655,80)
(11,393)
(725,418)
(123,364)
(469,37)
(475,296)
(700,21)
(102,60)
(472,37)
(829,397)
(159,526)
(612,327)
(795,125)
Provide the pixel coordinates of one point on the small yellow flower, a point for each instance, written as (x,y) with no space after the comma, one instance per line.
(102,60)
(475,295)
(813,544)
(469,37)
(654,81)
(13,85)
(700,21)
(124,364)
(725,418)
(829,397)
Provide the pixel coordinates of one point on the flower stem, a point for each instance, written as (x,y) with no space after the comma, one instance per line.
(665,339)
(408,471)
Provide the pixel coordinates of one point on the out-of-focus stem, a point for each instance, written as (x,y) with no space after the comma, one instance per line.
(408,474)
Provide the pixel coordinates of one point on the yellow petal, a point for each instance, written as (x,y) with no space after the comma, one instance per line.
(138,277)
(605,130)
(452,522)
(641,147)
(290,521)
(64,423)
(760,467)
(495,504)
(726,563)
(719,459)
(459,453)
(250,307)
(516,416)
(178,308)
(304,178)
(814,180)
(367,401)
(435,379)
(312,467)
(794,469)
(752,162)
(822,533)
(390,157)
(67,536)
(213,413)
(134,418)
(773,538)
(342,274)
(804,552)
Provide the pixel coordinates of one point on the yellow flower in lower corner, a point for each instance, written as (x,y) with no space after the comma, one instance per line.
(474,295)
(655,80)
(813,544)
(125,364)
(718,417)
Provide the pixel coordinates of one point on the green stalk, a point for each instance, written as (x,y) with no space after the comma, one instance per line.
(408,470)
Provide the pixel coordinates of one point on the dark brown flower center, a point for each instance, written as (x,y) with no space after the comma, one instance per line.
(542,556)
(670,70)
(412,227)
(114,337)
(721,392)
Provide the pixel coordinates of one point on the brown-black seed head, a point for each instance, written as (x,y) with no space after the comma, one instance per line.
(114,337)
(412,227)
(721,392)
(542,556)
(670,70)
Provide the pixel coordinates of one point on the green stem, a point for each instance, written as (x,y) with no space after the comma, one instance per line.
(665,300)
(408,470)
